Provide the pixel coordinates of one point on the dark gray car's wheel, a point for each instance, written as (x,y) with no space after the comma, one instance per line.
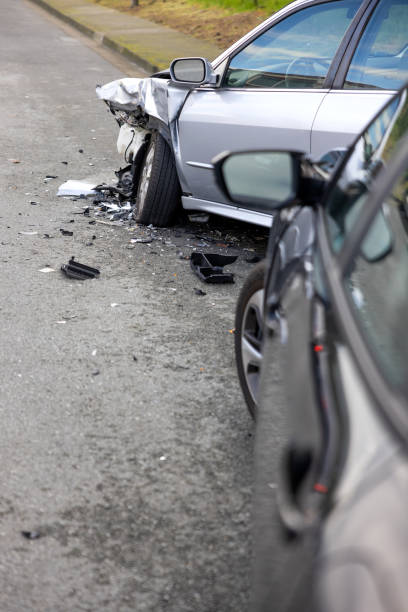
(158,192)
(249,334)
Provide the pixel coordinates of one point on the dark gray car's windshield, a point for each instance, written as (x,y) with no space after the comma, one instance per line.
(377,281)
(370,154)
(378,286)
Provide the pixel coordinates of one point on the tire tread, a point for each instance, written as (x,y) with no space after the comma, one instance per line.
(163,193)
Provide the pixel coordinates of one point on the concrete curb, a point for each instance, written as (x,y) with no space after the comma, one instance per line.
(176,40)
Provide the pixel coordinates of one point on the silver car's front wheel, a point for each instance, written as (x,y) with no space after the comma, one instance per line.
(249,334)
(158,192)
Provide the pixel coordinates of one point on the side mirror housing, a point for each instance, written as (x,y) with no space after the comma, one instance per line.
(267,179)
(192,71)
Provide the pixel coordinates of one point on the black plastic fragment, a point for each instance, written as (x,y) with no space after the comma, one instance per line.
(125,178)
(253,259)
(209,267)
(31,535)
(65,232)
(74,269)
(199,291)
(111,190)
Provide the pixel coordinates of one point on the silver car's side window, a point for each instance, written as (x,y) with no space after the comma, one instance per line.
(296,52)
(381,57)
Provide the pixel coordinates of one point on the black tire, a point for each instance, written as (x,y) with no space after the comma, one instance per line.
(158,191)
(249,334)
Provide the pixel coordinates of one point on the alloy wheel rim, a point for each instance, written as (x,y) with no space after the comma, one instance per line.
(146,174)
(251,342)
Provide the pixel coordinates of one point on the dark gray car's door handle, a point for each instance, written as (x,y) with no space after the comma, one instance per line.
(297,465)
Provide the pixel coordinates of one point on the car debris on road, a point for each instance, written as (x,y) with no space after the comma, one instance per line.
(79,271)
(209,267)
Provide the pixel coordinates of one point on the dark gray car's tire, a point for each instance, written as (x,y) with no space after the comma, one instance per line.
(249,334)
(158,192)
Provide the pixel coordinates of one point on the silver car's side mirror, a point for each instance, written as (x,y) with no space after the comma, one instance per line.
(192,71)
(267,179)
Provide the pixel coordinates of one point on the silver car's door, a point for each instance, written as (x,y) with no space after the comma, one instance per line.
(367,77)
(234,120)
(269,94)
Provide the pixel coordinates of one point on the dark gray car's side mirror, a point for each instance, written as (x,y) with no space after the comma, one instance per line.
(268,179)
(192,71)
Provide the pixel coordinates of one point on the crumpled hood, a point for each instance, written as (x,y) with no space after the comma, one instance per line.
(131,94)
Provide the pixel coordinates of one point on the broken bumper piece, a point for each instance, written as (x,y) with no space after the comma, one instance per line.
(209,267)
(74,269)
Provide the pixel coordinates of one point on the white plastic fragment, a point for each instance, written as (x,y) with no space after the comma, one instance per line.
(76,188)
(113,223)
(142,240)
(28,233)
(112,207)
(130,140)
(47,269)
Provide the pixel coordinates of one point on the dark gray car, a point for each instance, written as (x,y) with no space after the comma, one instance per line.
(331,464)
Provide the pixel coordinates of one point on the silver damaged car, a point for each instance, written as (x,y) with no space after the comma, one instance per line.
(307,79)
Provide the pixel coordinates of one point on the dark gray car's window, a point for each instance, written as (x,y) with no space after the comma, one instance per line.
(370,154)
(381,57)
(296,52)
(378,286)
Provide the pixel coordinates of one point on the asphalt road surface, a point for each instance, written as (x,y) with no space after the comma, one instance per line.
(125,443)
